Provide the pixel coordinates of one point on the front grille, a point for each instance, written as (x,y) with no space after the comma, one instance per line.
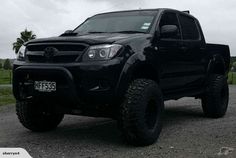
(65,52)
(58,46)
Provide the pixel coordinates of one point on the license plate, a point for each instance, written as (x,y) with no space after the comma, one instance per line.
(45,86)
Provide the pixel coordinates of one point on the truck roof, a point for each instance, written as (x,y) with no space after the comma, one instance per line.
(155,9)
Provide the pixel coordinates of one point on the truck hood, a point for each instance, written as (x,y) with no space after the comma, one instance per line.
(91,39)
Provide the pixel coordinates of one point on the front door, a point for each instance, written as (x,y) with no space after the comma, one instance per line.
(171,55)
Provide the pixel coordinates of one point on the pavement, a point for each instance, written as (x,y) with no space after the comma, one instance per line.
(186,133)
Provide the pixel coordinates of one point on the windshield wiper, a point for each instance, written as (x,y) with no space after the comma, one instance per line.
(128,32)
(91,32)
(96,32)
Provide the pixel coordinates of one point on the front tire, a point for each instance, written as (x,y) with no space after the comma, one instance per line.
(216,98)
(35,119)
(141,113)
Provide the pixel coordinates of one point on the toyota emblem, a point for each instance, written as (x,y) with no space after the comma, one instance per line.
(49,52)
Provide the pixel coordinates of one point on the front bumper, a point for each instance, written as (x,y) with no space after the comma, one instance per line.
(77,83)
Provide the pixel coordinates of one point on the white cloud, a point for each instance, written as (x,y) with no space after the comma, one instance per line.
(52,17)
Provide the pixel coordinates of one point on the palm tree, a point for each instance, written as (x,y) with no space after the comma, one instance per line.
(24,37)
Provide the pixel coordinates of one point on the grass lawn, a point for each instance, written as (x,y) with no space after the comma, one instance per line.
(232,78)
(5,76)
(6,96)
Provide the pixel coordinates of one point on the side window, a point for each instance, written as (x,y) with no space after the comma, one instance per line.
(170,19)
(189,28)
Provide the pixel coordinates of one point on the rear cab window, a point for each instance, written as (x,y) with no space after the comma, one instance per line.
(189,28)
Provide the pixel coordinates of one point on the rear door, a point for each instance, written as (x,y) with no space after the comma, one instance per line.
(192,51)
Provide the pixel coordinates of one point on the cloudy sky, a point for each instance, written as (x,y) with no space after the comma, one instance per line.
(52,17)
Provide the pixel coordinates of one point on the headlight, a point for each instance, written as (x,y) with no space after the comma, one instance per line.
(21,53)
(101,52)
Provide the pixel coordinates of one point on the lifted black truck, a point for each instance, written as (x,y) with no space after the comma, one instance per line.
(121,65)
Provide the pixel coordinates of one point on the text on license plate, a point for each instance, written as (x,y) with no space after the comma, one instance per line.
(45,86)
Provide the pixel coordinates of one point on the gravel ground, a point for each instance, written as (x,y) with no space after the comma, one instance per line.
(186,133)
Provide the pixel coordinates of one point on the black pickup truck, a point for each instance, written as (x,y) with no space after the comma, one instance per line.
(121,65)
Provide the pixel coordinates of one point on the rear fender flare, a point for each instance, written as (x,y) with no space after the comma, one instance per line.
(216,65)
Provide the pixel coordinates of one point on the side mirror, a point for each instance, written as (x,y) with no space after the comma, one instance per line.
(168,31)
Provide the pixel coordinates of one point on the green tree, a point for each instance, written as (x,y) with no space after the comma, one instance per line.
(0,65)
(7,65)
(24,37)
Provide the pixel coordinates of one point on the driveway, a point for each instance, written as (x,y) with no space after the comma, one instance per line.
(186,133)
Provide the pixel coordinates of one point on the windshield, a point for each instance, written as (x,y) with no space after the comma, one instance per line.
(120,22)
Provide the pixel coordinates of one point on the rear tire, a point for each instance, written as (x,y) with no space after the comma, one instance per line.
(35,119)
(141,113)
(216,98)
